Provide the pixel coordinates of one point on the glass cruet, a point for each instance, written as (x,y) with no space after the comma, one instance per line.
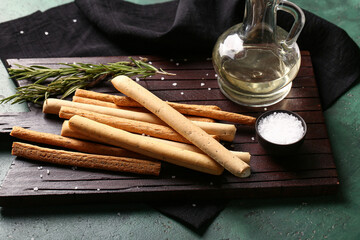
(257,60)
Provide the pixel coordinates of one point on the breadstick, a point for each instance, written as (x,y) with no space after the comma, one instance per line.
(145,145)
(226,132)
(182,125)
(198,110)
(53,105)
(105,104)
(67,132)
(133,126)
(124,101)
(136,109)
(70,143)
(86,160)
(94,95)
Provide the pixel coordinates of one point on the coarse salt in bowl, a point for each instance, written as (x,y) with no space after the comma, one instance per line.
(280,131)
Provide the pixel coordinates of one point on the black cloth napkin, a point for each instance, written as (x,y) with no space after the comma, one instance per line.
(110,28)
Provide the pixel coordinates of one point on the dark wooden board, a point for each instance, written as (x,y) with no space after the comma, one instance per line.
(311,171)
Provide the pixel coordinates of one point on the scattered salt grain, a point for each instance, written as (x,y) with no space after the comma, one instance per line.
(281,128)
(75,188)
(40,167)
(162,78)
(41,176)
(21,32)
(207,74)
(265,109)
(194,205)
(252,138)
(171,60)
(36,188)
(150,62)
(74,20)
(48,172)
(182,93)
(209,88)
(177,64)
(216,75)
(202,84)
(174,84)
(137,79)
(46,33)
(98,189)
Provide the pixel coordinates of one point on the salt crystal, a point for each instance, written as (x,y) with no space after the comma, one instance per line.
(75,188)
(252,138)
(216,75)
(46,33)
(174,84)
(182,93)
(281,128)
(74,20)
(36,188)
(171,60)
(150,62)
(265,109)
(98,189)
(194,205)
(209,88)
(41,176)
(162,78)
(40,167)
(137,79)
(202,84)
(177,64)
(48,172)
(21,32)
(207,74)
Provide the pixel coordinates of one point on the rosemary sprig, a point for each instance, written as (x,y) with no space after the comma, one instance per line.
(71,77)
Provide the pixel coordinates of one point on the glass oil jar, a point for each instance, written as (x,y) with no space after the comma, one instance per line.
(257,60)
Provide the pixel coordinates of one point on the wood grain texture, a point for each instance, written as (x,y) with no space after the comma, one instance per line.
(310,171)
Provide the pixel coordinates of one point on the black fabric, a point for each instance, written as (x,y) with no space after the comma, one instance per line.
(109,27)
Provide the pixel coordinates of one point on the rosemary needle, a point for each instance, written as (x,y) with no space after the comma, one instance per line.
(66,79)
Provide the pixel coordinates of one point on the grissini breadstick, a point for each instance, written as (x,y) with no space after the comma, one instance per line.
(94,95)
(105,104)
(151,129)
(53,105)
(182,125)
(70,143)
(128,102)
(86,160)
(67,132)
(146,128)
(197,110)
(136,109)
(145,145)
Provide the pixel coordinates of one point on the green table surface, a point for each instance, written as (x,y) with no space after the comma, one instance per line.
(328,217)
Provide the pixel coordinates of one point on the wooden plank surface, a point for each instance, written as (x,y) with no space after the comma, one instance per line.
(311,171)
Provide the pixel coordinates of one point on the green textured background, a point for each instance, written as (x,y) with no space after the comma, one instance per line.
(331,217)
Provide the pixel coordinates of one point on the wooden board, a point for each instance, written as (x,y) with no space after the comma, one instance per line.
(310,172)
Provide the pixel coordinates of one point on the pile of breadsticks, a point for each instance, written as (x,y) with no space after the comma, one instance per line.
(132,133)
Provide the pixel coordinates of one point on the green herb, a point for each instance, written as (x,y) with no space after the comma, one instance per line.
(66,80)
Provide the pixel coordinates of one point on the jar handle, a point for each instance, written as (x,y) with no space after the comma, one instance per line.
(299,22)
